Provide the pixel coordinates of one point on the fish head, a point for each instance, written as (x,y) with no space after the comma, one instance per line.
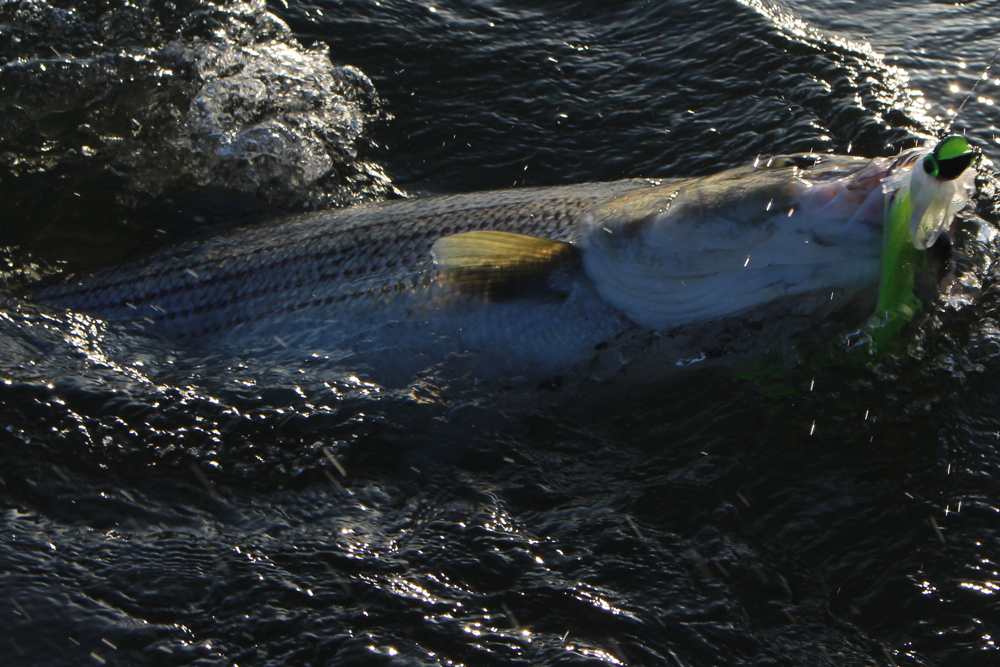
(711,247)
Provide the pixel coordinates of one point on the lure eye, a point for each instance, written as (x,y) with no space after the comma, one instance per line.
(931,166)
(800,161)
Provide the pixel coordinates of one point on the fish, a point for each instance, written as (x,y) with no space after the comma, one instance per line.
(532,278)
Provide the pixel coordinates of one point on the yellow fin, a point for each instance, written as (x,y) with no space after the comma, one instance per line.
(491,263)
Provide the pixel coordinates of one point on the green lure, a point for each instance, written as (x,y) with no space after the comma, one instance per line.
(916,213)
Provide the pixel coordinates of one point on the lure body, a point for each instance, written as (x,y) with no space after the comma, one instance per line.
(921,199)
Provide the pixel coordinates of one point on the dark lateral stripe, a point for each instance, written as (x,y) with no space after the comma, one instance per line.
(230,300)
(402,235)
(87,293)
(318,302)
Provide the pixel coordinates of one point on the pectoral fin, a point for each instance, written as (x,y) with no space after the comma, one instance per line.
(492,264)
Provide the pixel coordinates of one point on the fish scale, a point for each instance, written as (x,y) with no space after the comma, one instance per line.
(349,259)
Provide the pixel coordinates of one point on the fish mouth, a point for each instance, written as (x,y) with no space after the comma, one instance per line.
(865,191)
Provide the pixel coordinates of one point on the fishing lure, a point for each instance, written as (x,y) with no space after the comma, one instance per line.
(919,205)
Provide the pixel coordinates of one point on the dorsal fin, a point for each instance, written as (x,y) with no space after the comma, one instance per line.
(496,264)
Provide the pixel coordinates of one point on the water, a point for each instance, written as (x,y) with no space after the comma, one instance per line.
(167,508)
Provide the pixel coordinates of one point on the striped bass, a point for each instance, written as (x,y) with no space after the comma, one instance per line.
(533,278)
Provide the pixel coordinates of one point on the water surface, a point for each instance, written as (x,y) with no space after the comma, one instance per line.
(170,508)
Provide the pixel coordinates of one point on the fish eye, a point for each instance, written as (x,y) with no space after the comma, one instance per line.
(804,161)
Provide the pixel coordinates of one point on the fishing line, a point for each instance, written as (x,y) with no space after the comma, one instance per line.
(982,77)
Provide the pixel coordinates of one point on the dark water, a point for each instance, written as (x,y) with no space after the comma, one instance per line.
(165,508)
